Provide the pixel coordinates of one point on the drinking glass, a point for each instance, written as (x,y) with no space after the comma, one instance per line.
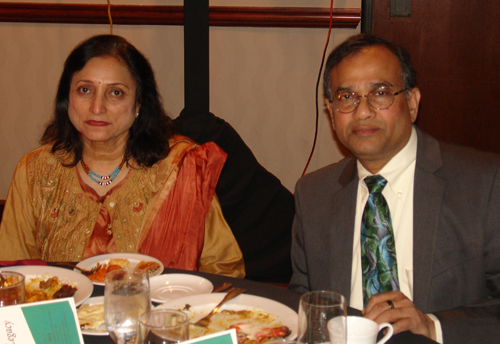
(11,288)
(163,326)
(315,310)
(126,298)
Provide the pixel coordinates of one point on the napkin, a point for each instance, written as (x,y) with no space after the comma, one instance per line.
(22,262)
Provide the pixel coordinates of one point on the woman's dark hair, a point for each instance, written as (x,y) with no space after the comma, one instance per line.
(150,132)
(354,45)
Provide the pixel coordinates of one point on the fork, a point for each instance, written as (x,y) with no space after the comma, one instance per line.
(232,293)
(222,287)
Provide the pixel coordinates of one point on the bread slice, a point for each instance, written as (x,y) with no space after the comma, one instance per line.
(150,267)
(90,316)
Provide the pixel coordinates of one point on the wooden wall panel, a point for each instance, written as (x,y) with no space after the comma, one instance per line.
(455,47)
(305,17)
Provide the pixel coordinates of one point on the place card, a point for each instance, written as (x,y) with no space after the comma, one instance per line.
(47,322)
(224,337)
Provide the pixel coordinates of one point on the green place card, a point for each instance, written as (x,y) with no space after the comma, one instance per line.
(224,337)
(52,323)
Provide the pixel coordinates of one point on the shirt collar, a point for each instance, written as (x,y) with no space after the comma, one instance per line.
(394,169)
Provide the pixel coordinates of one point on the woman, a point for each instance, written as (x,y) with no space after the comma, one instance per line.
(112,176)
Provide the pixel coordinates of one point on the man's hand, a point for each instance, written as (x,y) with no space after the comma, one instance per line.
(404,316)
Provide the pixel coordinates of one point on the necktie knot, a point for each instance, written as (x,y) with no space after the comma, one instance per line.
(375,183)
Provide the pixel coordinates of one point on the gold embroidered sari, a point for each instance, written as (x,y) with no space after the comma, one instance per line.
(160,211)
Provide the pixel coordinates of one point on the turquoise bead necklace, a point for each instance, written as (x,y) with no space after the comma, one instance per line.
(103,180)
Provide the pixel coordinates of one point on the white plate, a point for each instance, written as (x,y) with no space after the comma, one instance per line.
(173,286)
(201,305)
(101,330)
(133,258)
(84,285)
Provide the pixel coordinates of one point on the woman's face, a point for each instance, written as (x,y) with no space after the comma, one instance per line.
(102,100)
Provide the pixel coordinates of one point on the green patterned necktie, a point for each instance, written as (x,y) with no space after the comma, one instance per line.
(378,251)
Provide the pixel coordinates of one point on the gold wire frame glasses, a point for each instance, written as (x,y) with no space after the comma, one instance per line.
(379,99)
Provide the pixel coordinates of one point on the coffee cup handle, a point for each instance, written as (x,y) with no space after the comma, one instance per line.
(390,331)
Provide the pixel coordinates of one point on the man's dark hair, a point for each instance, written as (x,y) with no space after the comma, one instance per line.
(354,45)
(150,132)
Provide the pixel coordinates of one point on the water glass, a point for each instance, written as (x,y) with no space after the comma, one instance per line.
(126,298)
(163,326)
(12,289)
(315,310)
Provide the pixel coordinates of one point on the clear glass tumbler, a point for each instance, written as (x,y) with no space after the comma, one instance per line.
(126,298)
(11,288)
(315,310)
(163,326)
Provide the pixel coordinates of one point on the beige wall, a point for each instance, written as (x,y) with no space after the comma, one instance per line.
(262,82)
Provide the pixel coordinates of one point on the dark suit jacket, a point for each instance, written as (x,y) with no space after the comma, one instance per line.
(456,244)
(257,207)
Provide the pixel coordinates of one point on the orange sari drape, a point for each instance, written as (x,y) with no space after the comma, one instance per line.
(175,234)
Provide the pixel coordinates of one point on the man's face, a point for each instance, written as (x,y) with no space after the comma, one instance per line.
(373,136)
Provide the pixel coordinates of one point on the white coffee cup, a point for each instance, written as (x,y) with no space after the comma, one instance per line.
(359,330)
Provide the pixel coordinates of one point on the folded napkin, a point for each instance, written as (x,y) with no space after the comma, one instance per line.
(22,262)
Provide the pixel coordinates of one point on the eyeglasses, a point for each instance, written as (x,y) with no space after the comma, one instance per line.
(379,98)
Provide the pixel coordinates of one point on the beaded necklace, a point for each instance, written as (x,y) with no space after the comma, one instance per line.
(103,180)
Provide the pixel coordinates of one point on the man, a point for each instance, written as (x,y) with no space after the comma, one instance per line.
(438,249)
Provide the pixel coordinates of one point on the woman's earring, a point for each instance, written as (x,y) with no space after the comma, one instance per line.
(137,114)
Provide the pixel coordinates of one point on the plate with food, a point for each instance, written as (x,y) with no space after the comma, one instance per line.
(168,287)
(105,263)
(255,318)
(91,317)
(49,282)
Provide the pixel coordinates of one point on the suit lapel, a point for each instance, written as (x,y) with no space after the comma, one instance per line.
(427,200)
(344,210)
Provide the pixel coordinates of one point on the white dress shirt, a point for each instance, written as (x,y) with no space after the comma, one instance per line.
(399,173)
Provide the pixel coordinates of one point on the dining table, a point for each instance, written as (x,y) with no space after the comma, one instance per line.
(278,293)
